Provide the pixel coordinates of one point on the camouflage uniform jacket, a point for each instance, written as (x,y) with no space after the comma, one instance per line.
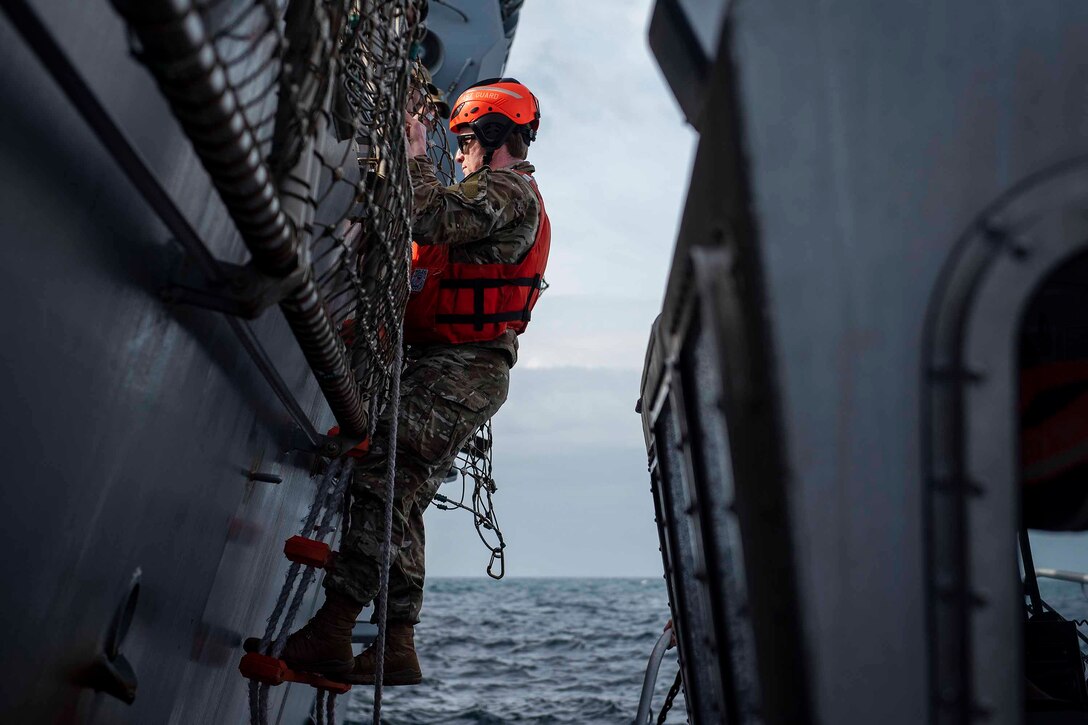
(490,217)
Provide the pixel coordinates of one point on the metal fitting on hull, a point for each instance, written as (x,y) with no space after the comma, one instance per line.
(178,49)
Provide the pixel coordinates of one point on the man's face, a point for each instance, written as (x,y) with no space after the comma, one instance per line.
(470,152)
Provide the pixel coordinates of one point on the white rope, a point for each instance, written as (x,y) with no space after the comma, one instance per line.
(334,493)
(329,492)
(390,481)
(321,497)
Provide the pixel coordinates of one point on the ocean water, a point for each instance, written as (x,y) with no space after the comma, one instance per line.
(551,651)
(1068,599)
(531,651)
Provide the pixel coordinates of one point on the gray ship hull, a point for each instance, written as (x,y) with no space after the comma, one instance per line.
(131,426)
(830,397)
(135,530)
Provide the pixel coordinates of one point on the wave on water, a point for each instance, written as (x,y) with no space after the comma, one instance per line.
(550,651)
(530,651)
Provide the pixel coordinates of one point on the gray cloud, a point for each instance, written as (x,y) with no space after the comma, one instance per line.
(614,153)
(589,331)
(569,513)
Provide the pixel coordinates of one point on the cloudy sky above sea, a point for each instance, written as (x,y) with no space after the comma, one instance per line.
(613,161)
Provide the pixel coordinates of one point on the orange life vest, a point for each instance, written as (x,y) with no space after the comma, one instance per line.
(457,302)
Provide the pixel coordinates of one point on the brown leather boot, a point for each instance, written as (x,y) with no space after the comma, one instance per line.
(324,644)
(401,664)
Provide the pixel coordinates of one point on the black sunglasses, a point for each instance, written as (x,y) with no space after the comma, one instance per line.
(464,140)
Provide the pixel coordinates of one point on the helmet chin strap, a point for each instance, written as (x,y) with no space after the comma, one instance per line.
(489,151)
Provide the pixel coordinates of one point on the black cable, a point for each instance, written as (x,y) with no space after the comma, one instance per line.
(673,691)
(474,461)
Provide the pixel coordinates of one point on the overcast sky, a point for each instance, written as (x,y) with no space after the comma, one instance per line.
(613,159)
(613,162)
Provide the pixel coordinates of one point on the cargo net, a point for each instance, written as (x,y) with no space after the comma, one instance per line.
(473,466)
(308,98)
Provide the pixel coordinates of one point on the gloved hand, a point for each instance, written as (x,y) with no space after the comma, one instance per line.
(415,135)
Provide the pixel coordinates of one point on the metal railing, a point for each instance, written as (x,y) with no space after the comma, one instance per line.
(650,679)
(1061,574)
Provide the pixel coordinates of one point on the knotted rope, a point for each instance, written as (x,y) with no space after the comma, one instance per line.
(390,487)
(473,462)
(319,522)
(325,708)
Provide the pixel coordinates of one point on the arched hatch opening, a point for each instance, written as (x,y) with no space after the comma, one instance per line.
(1052,416)
(982,328)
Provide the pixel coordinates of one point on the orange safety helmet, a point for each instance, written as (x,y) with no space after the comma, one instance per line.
(493,108)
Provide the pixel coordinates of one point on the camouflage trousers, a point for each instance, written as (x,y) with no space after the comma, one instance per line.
(447,392)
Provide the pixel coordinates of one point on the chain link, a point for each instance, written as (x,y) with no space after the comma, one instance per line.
(673,692)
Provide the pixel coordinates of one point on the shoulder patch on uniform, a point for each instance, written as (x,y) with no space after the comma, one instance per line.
(473,186)
(419,278)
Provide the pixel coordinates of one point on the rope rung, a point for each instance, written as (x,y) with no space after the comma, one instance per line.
(273,672)
(308,552)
